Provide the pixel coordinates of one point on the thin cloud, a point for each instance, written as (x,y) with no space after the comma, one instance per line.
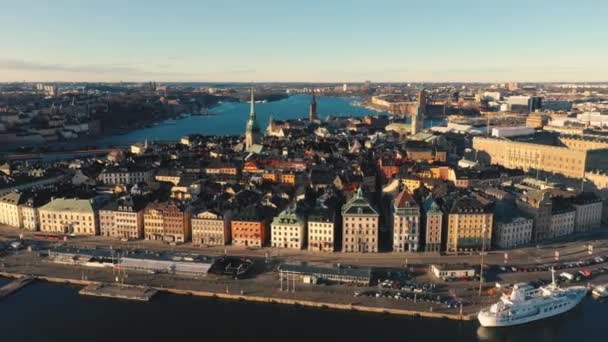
(9,64)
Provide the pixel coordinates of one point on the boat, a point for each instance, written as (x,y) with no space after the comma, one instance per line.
(527,303)
(600,291)
(170,122)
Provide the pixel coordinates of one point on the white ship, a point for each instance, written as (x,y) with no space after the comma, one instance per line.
(527,304)
(600,291)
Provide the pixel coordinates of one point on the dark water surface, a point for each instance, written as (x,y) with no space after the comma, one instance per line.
(52,312)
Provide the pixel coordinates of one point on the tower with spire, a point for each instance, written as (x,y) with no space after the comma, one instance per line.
(418,119)
(252,130)
(312,109)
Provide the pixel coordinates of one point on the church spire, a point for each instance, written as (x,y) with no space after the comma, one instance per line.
(312,110)
(418,118)
(252,131)
(252,105)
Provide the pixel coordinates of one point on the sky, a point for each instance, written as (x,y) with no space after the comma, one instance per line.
(304,41)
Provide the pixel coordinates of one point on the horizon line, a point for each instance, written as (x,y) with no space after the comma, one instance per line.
(312,82)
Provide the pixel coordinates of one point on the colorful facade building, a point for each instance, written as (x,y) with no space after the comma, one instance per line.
(360,225)
(406,223)
(288,229)
(167,221)
(210,228)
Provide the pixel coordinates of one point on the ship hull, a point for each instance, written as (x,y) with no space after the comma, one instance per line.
(491,321)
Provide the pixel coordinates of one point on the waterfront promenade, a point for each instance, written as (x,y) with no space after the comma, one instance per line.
(265,286)
(574,247)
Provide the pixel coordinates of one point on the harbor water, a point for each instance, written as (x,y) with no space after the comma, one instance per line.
(229,118)
(53,312)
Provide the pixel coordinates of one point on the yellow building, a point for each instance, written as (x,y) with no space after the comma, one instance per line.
(412,183)
(168,177)
(583,143)
(469,224)
(360,227)
(210,228)
(69,216)
(9,209)
(555,159)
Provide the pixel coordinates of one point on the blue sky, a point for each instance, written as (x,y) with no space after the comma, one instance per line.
(312,40)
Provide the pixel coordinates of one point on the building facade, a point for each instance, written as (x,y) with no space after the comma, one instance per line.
(360,226)
(406,223)
(527,156)
(69,216)
(513,233)
(562,222)
(250,227)
(10,214)
(322,230)
(122,220)
(210,228)
(433,226)
(469,226)
(588,212)
(168,222)
(125,176)
(288,230)
(538,205)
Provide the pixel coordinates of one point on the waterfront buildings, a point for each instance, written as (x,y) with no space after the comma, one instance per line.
(469,226)
(538,205)
(9,209)
(588,208)
(433,225)
(322,230)
(360,225)
(30,217)
(406,223)
(288,229)
(563,217)
(167,221)
(210,228)
(122,219)
(511,227)
(251,227)
(303,161)
(69,216)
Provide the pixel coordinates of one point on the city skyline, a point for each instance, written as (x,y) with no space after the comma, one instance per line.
(388,41)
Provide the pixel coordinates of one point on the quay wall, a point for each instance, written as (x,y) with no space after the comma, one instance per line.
(263,299)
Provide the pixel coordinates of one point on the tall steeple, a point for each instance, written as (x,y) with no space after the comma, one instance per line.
(252,131)
(418,119)
(312,109)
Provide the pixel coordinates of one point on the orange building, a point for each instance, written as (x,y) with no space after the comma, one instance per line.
(251,227)
(280,177)
(389,167)
(441,172)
